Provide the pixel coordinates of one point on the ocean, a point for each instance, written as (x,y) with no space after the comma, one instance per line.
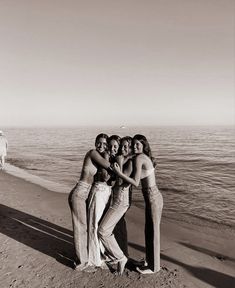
(195,165)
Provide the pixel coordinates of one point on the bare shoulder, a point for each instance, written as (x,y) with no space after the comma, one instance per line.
(95,155)
(119,158)
(106,154)
(139,159)
(144,159)
(88,154)
(92,152)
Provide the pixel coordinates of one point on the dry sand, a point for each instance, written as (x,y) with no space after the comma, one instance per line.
(36,247)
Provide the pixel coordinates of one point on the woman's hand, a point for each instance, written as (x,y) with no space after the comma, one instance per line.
(116,168)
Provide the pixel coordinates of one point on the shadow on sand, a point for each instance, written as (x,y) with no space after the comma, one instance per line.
(214,278)
(41,235)
(208,252)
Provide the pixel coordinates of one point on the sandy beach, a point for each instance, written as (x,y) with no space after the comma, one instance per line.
(37,246)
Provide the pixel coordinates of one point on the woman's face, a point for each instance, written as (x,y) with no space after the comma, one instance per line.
(138,147)
(101,145)
(113,147)
(126,148)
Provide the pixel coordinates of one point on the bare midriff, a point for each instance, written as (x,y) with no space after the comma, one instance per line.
(149,181)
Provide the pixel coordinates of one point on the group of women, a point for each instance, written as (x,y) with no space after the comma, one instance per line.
(102,196)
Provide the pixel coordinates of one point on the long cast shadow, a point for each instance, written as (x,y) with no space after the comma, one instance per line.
(39,234)
(214,278)
(136,246)
(208,252)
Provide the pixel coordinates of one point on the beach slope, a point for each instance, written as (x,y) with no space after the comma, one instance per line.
(37,246)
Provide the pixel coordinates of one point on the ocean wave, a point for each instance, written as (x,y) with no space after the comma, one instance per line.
(198,220)
(208,161)
(172,189)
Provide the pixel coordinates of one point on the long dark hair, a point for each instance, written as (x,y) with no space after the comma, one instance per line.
(101,135)
(117,139)
(146,147)
(128,139)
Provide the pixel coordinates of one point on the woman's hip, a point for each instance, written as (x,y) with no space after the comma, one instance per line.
(152,195)
(121,196)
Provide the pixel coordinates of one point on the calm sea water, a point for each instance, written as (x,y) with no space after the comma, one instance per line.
(195,172)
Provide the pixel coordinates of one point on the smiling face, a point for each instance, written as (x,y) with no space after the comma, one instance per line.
(126,148)
(101,145)
(113,147)
(138,147)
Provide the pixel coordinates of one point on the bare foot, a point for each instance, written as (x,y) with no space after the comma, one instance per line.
(144,270)
(80,267)
(104,266)
(121,266)
(90,269)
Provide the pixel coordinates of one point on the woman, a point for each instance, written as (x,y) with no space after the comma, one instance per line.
(79,194)
(144,172)
(3,149)
(120,230)
(120,204)
(100,194)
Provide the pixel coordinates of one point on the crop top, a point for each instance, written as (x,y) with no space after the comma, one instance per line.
(146,172)
(90,169)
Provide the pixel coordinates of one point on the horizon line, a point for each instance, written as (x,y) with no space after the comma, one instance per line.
(117,126)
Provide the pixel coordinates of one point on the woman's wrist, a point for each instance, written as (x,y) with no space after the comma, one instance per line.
(110,168)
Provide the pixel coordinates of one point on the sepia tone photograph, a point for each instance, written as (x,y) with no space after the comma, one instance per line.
(117,144)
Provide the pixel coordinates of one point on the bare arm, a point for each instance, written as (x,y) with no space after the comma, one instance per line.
(120,161)
(128,168)
(100,160)
(105,176)
(135,180)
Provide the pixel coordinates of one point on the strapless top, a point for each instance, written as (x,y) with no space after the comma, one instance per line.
(146,172)
(90,169)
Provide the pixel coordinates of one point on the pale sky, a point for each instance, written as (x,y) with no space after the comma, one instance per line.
(125,62)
